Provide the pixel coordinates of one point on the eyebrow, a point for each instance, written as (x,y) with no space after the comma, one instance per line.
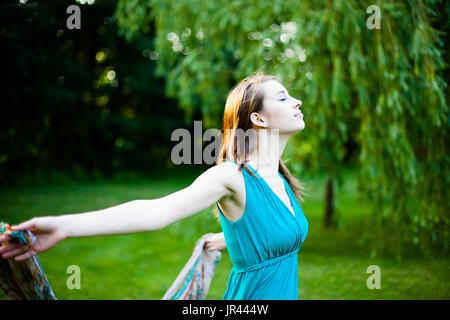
(282,91)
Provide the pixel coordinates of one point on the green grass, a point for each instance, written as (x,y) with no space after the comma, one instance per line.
(332,263)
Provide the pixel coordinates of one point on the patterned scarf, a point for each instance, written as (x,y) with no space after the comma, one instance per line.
(23,280)
(194,279)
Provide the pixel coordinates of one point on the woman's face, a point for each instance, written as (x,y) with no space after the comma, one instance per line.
(280,110)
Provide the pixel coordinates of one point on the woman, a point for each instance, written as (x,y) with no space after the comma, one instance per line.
(262,221)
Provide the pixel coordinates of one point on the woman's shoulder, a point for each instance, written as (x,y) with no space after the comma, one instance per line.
(230,175)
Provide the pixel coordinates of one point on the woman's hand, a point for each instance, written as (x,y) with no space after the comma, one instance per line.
(47,231)
(216,242)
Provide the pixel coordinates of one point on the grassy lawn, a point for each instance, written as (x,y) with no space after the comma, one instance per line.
(332,263)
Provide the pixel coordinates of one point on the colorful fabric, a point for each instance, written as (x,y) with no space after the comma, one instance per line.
(194,279)
(23,280)
(263,244)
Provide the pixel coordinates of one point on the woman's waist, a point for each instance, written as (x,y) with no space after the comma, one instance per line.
(240,266)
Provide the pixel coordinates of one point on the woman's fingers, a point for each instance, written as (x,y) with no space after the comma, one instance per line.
(24,225)
(20,250)
(25,255)
(209,246)
(4,237)
(15,252)
(10,246)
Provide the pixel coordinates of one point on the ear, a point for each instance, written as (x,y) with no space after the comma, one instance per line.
(258,120)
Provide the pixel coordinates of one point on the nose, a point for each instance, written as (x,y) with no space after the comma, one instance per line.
(299,104)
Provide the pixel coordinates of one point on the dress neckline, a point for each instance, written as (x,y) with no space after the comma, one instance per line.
(292,212)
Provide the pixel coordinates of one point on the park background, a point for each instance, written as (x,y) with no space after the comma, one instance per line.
(87,116)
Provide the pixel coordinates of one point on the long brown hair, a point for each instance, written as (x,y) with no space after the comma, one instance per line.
(245,98)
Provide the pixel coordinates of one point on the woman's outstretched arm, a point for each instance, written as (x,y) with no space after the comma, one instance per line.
(131,217)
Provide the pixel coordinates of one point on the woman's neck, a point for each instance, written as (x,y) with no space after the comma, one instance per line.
(267,151)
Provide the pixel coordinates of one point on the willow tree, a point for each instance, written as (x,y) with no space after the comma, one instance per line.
(381,87)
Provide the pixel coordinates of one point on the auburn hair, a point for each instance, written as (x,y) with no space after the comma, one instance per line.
(243,99)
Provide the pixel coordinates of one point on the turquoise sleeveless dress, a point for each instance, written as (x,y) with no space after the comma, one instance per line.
(263,244)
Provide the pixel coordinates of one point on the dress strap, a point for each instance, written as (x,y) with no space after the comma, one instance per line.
(248,166)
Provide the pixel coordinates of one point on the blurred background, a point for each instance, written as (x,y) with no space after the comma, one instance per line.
(87,115)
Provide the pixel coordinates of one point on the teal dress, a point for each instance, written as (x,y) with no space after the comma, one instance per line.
(263,244)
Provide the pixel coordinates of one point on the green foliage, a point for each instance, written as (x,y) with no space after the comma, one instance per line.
(404,128)
(381,89)
(82,102)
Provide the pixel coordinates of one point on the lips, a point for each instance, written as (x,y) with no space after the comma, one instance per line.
(299,114)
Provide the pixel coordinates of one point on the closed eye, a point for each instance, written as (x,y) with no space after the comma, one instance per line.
(282,99)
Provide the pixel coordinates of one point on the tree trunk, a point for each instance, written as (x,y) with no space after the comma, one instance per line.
(329,204)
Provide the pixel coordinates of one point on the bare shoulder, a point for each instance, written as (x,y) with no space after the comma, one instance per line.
(229,175)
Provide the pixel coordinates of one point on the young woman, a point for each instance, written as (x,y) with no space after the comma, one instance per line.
(257,199)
